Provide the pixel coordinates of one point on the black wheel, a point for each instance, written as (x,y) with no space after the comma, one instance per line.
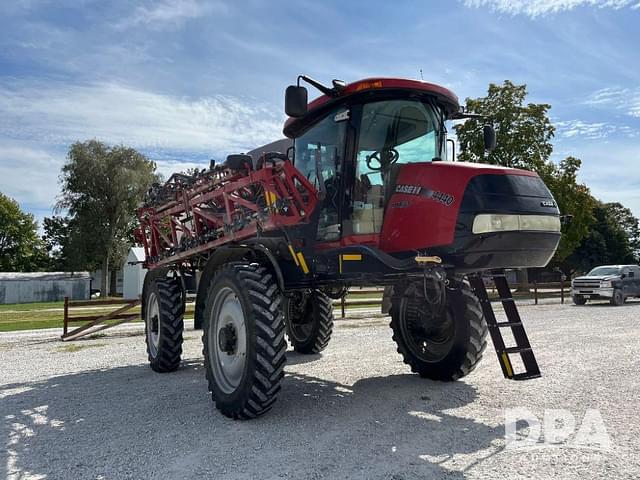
(164,312)
(618,298)
(309,320)
(579,300)
(444,345)
(244,346)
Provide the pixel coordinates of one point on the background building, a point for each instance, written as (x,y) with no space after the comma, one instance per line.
(43,286)
(133,273)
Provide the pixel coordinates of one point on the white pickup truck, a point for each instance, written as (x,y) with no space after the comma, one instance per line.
(615,283)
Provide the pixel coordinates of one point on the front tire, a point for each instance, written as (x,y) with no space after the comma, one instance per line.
(579,300)
(618,298)
(309,320)
(164,324)
(244,346)
(442,346)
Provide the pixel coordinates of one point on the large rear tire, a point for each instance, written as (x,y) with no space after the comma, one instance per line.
(309,320)
(444,345)
(164,323)
(244,346)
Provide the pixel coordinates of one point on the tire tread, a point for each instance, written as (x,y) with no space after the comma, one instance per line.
(171,323)
(270,346)
(474,346)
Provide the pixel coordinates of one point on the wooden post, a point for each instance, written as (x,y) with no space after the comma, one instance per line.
(66,315)
(562,290)
(342,305)
(535,291)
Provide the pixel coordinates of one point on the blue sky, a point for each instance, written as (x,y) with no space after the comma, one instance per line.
(189,80)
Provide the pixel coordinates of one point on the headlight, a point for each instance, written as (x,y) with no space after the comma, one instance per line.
(499,222)
(605,284)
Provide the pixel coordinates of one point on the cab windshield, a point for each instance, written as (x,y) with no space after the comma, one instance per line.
(399,131)
(602,271)
(391,133)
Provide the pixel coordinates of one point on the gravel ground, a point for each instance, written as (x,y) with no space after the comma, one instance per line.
(353,412)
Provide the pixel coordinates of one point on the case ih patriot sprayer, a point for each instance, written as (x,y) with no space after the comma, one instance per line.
(359,196)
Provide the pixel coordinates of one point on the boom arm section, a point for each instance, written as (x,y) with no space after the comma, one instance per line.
(192,215)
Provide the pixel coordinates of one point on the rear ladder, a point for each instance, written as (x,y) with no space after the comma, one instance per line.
(523,347)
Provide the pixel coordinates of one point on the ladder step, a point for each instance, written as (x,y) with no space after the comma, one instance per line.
(517,349)
(513,321)
(526,376)
(507,324)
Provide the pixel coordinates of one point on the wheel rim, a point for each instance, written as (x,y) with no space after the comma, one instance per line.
(153,324)
(300,330)
(227,340)
(427,337)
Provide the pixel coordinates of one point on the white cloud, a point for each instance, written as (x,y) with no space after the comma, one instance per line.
(536,8)
(115,113)
(167,13)
(623,99)
(38,122)
(591,130)
(29,175)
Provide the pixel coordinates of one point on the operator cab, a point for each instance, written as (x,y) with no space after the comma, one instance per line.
(352,150)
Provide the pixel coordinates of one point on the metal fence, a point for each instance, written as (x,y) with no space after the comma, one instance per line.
(372,297)
(100,321)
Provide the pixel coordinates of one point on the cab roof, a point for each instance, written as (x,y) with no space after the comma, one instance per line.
(368,87)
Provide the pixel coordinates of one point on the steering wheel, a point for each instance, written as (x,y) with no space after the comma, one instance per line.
(384,158)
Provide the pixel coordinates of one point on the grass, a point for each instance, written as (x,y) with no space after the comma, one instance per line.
(27,307)
(75,347)
(30,306)
(32,316)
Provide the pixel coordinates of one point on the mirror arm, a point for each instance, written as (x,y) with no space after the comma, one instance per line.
(322,189)
(332,92)
(465,115)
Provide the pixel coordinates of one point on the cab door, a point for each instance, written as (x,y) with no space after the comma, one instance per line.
(634,277)
(628,282)
(319,154)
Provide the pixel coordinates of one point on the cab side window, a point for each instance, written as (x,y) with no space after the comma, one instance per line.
(319,154)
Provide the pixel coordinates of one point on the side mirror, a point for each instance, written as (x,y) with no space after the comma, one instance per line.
(295,101)
(489,137)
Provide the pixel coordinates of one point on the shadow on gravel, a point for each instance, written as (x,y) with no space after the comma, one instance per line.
(129,422)
(604,303)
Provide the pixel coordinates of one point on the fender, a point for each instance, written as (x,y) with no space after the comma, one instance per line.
(222,256)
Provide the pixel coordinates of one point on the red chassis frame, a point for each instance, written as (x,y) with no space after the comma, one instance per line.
(223,206)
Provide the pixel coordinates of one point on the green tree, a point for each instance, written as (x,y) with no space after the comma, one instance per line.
(21,249)
(101,188)
(524,133)
(56,235)
(574,199)
(66,245)
(625,218)
(606,243)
